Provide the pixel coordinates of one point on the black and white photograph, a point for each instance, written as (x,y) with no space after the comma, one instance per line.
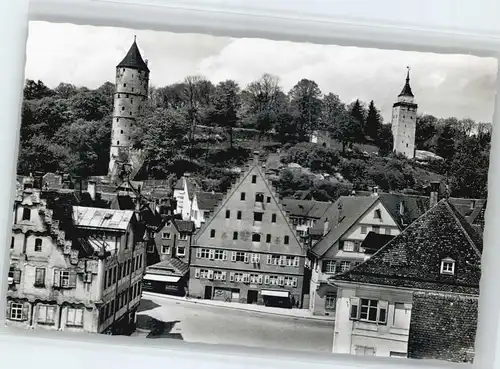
(250,192)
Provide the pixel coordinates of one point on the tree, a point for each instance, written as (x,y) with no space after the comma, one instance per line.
(373,121)
(36,90)
(446,142)
(384,140)
(226,103)
(305,103)
(358,119)
(425,132)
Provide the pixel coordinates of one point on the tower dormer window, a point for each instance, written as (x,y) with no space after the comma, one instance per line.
(448,266)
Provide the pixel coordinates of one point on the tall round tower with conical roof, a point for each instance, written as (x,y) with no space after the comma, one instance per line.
(131,93)
(404,119)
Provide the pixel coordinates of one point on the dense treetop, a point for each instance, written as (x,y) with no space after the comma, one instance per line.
(210,130)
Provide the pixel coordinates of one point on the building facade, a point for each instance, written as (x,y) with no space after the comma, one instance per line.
(203,205)
(72,268)
(350,220)
(183,193)
(404,120)
(248,251)
(417,297)
(131,93)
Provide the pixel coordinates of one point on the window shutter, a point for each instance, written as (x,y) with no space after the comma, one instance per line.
(294,282)
(26,309)
(246,257)
(72,279)
(269,259)
(281,281)
(210,274)
(211,254)
(233,256)
(341,245)
(79,317)
(266,279)
(354,308)
(223,276)
(198,253)
(257,258)
(17,276)
(382,312)
(296,261)
(260,279)
(224,255)
(231,277)
(324,263)
(197,273)
(282,260)
(57,278)
(7,309)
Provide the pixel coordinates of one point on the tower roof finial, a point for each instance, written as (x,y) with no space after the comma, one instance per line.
(133,59)
(135,38)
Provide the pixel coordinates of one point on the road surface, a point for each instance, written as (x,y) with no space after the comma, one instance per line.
(168,318)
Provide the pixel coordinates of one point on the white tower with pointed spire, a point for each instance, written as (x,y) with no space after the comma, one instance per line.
(131,93)
(404,117)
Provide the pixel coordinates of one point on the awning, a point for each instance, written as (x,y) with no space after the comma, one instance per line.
(162,278)
(275,293)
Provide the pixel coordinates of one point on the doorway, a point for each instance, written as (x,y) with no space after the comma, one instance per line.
(208,293)
(252,297)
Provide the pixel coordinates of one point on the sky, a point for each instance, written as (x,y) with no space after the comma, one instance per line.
(444,85)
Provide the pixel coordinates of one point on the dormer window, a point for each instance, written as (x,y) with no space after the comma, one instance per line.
(377,214)
(448,266)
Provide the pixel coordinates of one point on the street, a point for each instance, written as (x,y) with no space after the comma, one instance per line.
(169,318)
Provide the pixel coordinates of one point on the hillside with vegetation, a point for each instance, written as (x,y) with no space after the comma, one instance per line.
(211,130)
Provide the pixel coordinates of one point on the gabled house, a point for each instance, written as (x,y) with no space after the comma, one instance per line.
(305,214)
(203,205)
(248,251)
(417,296)
(184,190)
(347,224)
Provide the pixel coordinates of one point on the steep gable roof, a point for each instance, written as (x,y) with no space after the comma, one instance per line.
(413,258)
(443,327)
(234,193)
(305,208)
(208,200)
(172,266)
(133,59)
(374,242)
(184,225)
(340,221)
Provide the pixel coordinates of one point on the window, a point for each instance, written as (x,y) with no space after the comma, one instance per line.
(38,244)
(123,108)
(387,231)
(46,314)
(345,266)
(12,240)
(121,131)
(165,249)
(329,266)
(376,229)
(39,277)
(124,85)
(348,246)
(273,218)
(448,266)
(212,233)
(238,277)
(377,214)
(166,235)
(259,197)
(268,238)
(401,315)
(228,214)
(26,214)
(181,250)
(66,279)
(204,253)
(273,259)
(268,200)
(74,317)
(364,229)
(238,215)
(286,240)
(183,237)
(16,311)
(254,179)
(364,351)
(242,196)
(206,214)
(240,256)
(372,311)
(235,235)
(330,301)
(220,255)
(117,142)
(257,217)
(256,237)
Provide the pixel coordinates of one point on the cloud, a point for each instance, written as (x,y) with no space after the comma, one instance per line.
(444,85)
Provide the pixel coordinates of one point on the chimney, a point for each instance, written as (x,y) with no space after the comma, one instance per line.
(375,191)
(339,208)
(401,208)
(91,189)
(325,227)
(434,196)
(256,157)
